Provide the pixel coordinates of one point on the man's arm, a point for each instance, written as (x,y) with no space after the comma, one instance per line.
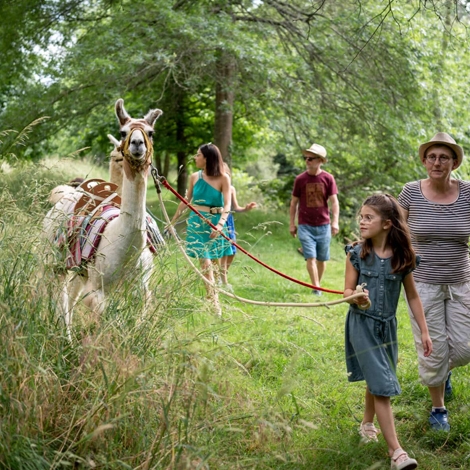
(294,203)
(334,206)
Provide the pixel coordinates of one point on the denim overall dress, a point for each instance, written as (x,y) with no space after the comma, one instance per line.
(371,335)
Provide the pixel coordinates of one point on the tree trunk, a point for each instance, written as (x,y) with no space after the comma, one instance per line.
(224,97)
(181,141)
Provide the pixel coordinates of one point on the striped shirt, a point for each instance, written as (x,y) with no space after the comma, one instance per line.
(439,233)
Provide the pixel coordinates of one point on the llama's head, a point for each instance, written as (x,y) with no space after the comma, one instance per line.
(136,136)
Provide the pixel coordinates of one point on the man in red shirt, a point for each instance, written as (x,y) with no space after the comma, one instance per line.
(313,196)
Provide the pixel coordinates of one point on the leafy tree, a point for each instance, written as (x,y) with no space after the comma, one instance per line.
(255,77)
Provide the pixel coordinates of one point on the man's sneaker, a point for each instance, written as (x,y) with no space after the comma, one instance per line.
(401,461)
(316,292)
(368,432)
(439,420)
(448,387)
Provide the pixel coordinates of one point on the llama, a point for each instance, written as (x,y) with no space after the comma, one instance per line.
(116,164)
(60,191)
(122,248)
(115,174)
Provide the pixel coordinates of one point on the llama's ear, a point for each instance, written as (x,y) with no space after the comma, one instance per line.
(121,113)
(114,141)
(153,115)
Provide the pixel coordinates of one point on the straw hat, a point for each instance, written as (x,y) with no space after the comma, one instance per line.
(316,150)
(442,138)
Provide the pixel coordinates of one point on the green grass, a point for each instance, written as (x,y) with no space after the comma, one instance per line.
(261,388)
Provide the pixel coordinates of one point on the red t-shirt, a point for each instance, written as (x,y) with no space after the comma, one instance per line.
(313,193)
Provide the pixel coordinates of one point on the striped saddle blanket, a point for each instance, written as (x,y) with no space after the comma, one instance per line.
(78,238)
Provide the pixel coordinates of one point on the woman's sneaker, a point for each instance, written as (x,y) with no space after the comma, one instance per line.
(439,420)
(368,432)
(401,461)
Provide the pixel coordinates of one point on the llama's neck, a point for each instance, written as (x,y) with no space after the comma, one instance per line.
(115,175)
(134,192)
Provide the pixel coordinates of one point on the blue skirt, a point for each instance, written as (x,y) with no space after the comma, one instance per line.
(231,231)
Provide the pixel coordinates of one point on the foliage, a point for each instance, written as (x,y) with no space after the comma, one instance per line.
(368,80)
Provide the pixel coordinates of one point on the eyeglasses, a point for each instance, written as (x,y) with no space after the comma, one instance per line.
(442,158)
(310,159)
(367,219)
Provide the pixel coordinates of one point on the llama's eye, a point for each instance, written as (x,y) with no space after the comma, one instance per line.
(150,134)
(123,134)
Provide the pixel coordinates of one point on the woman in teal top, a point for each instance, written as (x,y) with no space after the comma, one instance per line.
(209,193)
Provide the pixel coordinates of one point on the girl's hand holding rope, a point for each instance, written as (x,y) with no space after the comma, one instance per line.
(363,302)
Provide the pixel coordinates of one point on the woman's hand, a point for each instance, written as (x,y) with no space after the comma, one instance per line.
(216,233)
(427,344)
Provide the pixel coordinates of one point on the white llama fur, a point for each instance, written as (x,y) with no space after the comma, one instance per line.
(123,247)
(115,164)
(59,192)
(115,174)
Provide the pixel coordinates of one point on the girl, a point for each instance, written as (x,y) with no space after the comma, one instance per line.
(209,191)
(226,261)
(383,260)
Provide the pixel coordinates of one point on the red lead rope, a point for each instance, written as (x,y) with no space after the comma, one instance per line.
(181,198)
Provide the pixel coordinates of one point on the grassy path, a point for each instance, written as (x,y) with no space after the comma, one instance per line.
(261,388)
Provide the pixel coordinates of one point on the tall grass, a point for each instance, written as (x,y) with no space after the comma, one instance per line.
(262,388)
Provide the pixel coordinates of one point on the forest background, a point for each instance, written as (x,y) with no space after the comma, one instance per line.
(265,388)
(261,79)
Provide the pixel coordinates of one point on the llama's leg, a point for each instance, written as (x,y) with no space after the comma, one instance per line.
(147,268)
(95,300)
(73,287)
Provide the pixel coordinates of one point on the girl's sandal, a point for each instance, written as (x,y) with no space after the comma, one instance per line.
(368,432)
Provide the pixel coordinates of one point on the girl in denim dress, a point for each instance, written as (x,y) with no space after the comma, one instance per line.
(382,262)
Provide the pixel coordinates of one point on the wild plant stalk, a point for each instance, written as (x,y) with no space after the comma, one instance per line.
(180,389)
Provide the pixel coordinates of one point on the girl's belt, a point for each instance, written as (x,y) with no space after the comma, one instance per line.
(212,210)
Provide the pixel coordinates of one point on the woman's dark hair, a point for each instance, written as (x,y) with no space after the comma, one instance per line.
(399,238)
(214,162)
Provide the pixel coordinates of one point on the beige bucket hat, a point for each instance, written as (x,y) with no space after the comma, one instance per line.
(316,150)
(442,138)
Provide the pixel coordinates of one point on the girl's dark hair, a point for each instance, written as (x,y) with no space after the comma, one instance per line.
(399,238)
(214,162)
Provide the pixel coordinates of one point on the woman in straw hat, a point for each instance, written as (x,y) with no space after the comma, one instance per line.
(439,221)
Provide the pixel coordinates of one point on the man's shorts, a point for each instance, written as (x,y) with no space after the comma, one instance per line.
(315,241)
